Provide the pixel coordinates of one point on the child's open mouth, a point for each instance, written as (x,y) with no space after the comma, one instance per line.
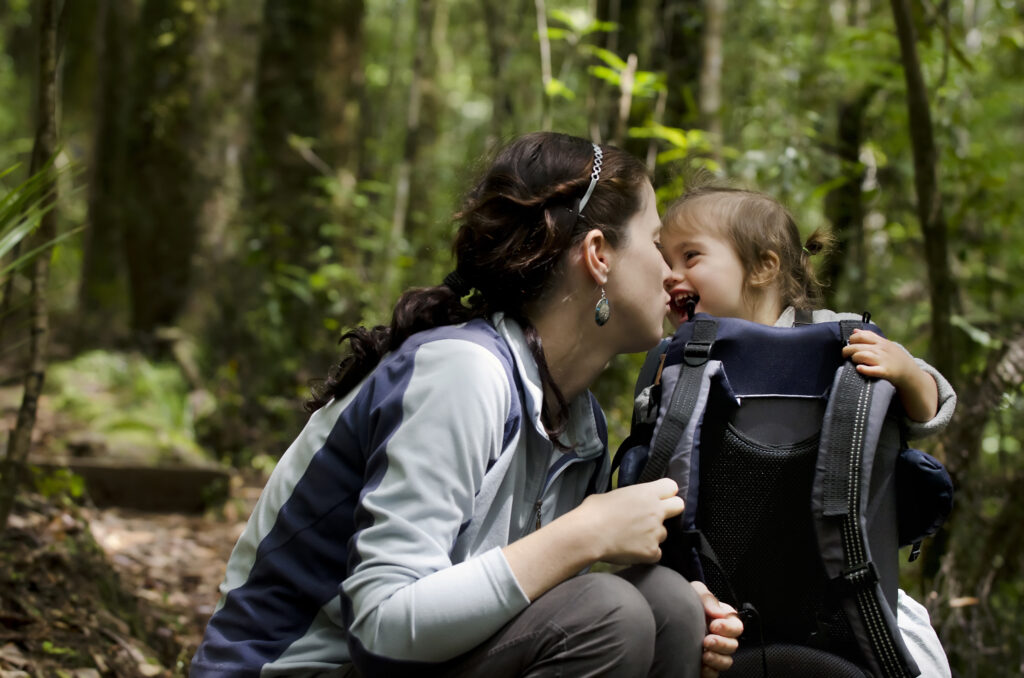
(685,305)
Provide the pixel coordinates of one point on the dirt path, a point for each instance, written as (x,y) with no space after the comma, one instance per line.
(174,561)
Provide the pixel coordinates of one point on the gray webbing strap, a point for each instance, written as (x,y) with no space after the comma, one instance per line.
(842,499)
(684,398)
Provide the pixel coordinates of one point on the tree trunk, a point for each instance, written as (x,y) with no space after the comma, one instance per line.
(103,289)
(43,150)
(959,448)
(627,79)
(929,197)
(844,206)
(711,74)
(403,178)
(678,37)
(545,62)
(169,181)
(302,131)
(677,53)
(502,25)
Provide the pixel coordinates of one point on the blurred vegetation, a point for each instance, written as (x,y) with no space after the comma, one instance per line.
(261,176)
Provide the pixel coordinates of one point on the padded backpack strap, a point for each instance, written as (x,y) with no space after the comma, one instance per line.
(684,398)
(845,454)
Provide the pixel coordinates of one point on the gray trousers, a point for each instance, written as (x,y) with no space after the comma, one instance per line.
(643,621)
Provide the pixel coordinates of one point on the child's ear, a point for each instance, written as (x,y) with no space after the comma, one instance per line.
(766,271)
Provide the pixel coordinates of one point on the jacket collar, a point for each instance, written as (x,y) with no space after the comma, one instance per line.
(582,428)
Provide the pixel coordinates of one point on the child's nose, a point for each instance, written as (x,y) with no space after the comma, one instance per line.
(673,278)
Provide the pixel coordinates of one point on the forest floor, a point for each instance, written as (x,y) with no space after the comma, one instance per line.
(89,592)
(86,593)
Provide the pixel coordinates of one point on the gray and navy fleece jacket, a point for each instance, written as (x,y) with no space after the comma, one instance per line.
(379,534)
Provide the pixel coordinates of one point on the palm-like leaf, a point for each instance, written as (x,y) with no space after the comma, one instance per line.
(21,210)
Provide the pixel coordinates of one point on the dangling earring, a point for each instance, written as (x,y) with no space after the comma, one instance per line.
(603,310)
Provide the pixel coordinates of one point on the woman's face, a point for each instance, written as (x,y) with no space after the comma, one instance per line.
(636,284)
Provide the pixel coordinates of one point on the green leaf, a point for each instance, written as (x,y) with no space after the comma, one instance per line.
(556,88)
(606,74)
(610,58)
(977,335)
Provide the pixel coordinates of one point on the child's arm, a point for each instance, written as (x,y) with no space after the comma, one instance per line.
(876,356)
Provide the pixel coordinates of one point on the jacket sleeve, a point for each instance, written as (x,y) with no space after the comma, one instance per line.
(404,598)
(947,403)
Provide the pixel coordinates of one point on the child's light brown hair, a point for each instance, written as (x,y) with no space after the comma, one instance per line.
(756,224)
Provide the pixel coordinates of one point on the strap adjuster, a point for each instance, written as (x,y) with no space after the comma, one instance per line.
(857,577)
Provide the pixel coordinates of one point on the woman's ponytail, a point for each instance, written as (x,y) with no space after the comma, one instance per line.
(417,309)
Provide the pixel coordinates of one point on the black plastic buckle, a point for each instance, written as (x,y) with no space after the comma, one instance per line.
(857,577)
(696,353)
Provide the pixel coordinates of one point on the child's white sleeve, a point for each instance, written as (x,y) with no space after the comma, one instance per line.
(921,639)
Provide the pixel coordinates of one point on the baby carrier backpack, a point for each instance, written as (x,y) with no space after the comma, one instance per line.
(798,485)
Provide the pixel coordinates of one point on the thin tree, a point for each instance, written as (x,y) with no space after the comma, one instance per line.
(403,179)
(711,73)
(43,150)
(545,61)
(929,197)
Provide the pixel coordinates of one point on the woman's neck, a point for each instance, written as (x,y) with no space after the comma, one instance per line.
(574,354)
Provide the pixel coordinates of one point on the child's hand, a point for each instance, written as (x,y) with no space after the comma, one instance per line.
(876,356)
(724,627)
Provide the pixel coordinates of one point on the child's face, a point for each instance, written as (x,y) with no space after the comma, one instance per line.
(705,269)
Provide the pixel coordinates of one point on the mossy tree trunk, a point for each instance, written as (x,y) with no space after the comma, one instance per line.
(103,287)
(168,179)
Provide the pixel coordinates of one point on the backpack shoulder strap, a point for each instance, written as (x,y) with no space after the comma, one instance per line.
(850,433)
(803,316)
(696,353)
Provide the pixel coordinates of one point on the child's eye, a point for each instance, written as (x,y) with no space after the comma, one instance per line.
(689,255)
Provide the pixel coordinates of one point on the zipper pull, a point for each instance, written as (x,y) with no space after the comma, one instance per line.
(536,508)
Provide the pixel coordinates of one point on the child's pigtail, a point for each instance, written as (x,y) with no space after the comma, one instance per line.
(819,242)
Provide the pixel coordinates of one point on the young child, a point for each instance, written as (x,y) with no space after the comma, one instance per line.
(737,253)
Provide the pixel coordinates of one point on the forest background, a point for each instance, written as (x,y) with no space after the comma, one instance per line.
(236,182)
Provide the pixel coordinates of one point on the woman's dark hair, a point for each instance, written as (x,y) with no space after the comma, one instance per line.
(515,227)
(756,223)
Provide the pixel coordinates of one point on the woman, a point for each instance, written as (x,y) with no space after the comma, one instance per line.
(431,517)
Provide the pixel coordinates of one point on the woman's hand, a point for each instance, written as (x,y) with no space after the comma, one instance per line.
(624,526)
(724,627)
(876,356)
(629,522)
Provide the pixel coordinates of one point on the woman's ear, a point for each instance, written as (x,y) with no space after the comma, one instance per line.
(767,270)
(597,254)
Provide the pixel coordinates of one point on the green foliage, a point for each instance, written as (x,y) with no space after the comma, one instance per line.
(302,245)
(143,410)
(21,210)
(57,483)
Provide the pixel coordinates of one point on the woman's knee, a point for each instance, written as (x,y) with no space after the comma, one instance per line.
(603,626)
(612,607)
(669,595)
